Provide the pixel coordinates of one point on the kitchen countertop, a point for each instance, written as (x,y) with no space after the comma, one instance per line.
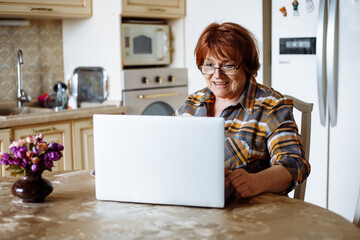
(71,211)
(52,116)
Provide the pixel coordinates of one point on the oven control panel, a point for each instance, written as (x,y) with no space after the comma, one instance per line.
(153,78)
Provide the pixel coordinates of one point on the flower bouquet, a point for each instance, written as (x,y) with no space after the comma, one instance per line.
(30,157)
(31,154)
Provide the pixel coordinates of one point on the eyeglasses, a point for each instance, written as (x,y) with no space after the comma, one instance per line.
(226,69)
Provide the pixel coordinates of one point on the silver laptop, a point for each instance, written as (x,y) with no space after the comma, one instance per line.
(159,159)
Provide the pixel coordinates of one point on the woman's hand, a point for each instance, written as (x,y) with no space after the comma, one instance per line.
(273,179)
(242,182)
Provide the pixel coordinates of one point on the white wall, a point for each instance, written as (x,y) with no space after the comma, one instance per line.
(95,42)
(201,13)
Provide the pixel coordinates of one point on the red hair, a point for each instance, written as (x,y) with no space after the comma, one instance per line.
(230,41)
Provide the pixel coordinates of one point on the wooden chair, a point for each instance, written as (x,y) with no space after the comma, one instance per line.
(305,109)
(357,212)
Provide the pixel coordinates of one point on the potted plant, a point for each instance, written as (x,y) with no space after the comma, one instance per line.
(28,158)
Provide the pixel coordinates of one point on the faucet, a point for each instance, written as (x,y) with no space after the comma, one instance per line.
(21,94)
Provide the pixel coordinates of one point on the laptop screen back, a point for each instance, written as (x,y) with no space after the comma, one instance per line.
(159,159)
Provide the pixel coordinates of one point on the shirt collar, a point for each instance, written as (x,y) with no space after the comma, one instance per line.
(207,97)
(247,97)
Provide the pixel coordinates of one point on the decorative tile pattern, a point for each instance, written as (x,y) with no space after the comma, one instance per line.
(41,44)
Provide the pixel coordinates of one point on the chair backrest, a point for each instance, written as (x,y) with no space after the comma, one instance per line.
(357,212)
(305,131)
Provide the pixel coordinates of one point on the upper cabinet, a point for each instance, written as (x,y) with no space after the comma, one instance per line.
(45,8)
(154,8)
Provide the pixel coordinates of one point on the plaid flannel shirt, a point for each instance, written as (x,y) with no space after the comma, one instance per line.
(260,130)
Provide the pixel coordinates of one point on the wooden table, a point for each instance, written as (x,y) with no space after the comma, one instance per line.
(72,212)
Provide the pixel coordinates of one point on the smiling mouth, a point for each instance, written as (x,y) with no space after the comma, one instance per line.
(220,83)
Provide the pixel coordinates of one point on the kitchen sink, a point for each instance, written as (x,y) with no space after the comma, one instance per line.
(10,112)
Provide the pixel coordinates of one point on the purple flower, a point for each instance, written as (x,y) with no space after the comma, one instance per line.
(49,164)
(16,161)
(3,162)
(53,146)
(35,151)
(5,156)
(21,152)
(53,156)
(13,149)
(56,146)
(34,167)
(17,154)
(60,147)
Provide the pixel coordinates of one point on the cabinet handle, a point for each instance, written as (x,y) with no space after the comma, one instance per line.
(41,9)
(43,130)
(157,9)
(158,95)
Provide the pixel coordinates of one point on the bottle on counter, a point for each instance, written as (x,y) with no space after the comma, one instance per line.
(61,99)
(72,102)
(72,99)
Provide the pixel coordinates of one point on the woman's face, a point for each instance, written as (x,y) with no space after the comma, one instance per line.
(226,87)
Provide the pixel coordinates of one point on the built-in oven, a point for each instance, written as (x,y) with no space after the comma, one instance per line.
(154,91)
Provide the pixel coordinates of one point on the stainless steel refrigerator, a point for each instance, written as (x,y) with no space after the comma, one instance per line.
(316,57)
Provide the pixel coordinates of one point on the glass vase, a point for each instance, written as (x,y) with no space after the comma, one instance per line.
(32,188)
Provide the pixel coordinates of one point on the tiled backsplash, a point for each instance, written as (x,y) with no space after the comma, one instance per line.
(41,44)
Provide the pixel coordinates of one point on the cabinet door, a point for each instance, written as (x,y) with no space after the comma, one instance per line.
(46,8)
(5,136)
(83,139)
(57,132)
(154,8)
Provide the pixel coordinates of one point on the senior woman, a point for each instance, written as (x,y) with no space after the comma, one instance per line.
(263,149)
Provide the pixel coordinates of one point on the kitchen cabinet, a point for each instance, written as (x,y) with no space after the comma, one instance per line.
(5,136)
(83,142)
(55,132)
(45,8)
(153,9)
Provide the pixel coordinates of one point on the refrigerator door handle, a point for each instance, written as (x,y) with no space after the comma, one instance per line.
(320,59)
(331,60)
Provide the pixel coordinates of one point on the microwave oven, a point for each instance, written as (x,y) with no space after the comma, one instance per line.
(145,44)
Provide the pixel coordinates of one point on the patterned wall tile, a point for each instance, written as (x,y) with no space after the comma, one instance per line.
(41,44)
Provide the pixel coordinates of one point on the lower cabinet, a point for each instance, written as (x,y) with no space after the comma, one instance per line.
(56,132)
(5,136)
(75,135)
(83,142)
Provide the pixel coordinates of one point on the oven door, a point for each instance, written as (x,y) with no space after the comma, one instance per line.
(163,101)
